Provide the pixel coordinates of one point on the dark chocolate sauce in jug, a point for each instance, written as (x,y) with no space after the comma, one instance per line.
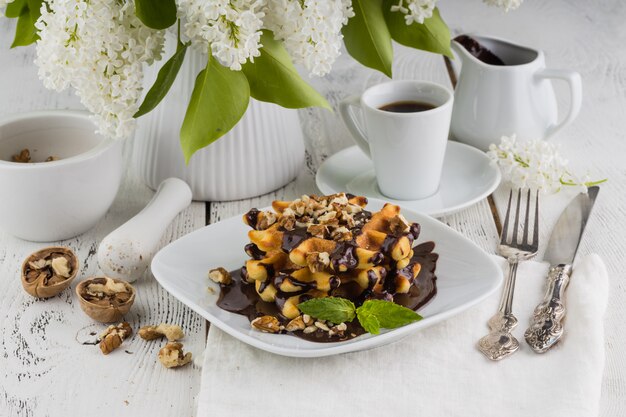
(479,51)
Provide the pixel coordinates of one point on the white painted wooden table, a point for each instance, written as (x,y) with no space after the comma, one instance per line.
(45,370)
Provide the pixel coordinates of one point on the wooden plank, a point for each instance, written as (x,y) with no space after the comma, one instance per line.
(46,370)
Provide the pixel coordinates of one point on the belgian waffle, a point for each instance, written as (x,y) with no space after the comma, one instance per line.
(329,245)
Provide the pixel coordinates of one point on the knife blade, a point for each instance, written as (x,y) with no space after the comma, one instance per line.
(547,322)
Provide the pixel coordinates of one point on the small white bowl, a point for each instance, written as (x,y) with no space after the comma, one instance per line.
(49,201)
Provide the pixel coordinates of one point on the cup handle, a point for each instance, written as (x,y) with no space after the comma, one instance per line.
(348,116)
(576,93)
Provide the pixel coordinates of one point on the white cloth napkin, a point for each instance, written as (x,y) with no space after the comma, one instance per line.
(434,372)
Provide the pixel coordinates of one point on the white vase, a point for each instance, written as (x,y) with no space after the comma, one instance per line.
(263,152)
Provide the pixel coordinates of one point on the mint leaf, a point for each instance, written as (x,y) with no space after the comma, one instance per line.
(367,37)
(374,314)
(165,79)
(433,35)
(220,98)
(334,309)
(273,78)
(369,321)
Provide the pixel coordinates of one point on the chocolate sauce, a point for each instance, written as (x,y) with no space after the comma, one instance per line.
(252,217)
(478,51)
(292,238)
(254,252)
(240,297)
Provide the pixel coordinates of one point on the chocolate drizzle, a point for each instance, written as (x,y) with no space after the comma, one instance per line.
(252,217)
(241,297)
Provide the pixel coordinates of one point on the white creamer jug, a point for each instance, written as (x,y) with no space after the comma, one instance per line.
(492,100)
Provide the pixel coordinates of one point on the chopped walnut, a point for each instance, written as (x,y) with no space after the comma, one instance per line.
(309,329)
(308,320)
(23,156)
(265,220)
(287,222)
(295,324)
(325,218)
(317,230)
(172,355)
(171,331)
(221,276)
(318,261)
(266,324)
(113,337)
(341,234)
(398,225)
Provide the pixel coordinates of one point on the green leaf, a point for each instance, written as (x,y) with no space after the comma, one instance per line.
(367,37)
(16,8)
(35,10)
(432,36)
(156,14)
(165,79)
(368,321)
(273,78)
(220,98)
(25,31)
(374,314)
(334,309)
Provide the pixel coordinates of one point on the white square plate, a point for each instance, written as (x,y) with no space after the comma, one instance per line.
(465,276)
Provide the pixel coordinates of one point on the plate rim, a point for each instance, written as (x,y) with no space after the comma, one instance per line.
(327,349)
(434,212)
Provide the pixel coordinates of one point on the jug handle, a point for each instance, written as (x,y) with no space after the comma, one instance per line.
(576,93)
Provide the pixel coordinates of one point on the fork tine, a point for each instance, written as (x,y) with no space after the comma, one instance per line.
(505,226)
(526,218)
(516,224)
(536,227)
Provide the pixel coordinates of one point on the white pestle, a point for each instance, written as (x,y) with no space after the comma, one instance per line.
(127,251)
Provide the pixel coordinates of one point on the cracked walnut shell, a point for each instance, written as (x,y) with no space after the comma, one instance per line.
(105,299)
(172,355)
(49,271)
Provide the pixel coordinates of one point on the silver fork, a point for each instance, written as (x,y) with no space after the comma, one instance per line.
(500,343)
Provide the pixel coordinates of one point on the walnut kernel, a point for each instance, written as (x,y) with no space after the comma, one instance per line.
(221,276)
(172,356)
(267,324)
(171,331)
(113,337)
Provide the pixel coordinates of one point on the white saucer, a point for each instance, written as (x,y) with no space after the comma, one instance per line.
(467,178)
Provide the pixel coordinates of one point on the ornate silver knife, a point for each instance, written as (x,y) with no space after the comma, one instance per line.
(546,325)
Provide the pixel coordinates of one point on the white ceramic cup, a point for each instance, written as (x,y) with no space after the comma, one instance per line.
(407,148)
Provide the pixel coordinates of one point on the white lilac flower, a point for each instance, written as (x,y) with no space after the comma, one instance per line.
(98,47)
(505,4)
(534,164)
(232,28)
(415,10)
(310,30)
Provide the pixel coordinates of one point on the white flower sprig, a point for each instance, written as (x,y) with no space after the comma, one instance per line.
(98,47)
(415,10)
(232,28)
(535,164)
(310,30)
(505,4)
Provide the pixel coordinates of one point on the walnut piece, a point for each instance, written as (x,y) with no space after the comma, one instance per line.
(61,266)
(341,234)
(171,331)
(267,324)
(105,291)
(24,157)
(318,261)
(113,337)
(265,220)
(295,324)
(317,230)
(172,356)
(398,225)
(221,276)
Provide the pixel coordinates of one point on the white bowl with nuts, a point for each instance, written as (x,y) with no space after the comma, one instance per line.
(57,176)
